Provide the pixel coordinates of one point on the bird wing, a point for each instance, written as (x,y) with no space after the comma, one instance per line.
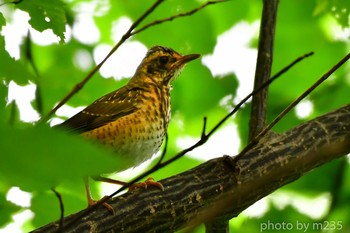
(104,110)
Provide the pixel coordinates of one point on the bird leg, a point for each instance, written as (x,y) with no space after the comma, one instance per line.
(91,201)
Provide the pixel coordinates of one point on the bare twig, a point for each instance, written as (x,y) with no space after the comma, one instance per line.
(204,127)
(273,78)
(188,13)
(59,197)
(292,105)
(126,36)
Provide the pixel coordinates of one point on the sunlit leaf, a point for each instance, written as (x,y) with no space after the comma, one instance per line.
(46,15)
(12,69)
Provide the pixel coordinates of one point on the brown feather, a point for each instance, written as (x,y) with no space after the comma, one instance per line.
(104,110)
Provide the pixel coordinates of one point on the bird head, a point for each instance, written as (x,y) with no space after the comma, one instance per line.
(162,65)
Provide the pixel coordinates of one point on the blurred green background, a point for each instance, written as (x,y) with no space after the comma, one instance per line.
(34,159)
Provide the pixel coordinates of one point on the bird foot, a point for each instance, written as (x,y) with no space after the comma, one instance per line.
(150,181)
(92,202)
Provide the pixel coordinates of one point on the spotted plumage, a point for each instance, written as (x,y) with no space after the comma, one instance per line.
(133,120)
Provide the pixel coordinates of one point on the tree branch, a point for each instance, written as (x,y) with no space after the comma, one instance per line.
(220,187)
(258,113)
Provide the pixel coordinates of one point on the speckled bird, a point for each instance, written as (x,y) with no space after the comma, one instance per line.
(133,120)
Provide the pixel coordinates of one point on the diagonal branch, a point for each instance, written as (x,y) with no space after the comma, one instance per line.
(219,187)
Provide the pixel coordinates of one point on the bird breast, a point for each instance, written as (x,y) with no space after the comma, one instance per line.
(139,135)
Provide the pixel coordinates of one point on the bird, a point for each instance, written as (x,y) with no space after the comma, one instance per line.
(133,119)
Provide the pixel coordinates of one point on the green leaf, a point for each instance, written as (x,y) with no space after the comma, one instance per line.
(2,21)
(339,9)
(7,209)
(46,15)
(12,69)
(196,92)
(38,158)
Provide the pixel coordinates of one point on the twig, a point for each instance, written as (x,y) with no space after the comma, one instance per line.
(96,68)
(273,78)
(59,197)
(188,13)
(126,36)
(204,127)
(291,106)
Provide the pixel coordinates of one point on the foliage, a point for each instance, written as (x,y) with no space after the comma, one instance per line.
(36,158)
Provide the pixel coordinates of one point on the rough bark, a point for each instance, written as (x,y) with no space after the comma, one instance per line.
(221,187)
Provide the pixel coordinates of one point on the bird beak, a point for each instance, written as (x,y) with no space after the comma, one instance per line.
(179,65)
(184,59)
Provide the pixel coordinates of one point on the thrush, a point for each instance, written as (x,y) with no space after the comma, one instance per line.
(133,120)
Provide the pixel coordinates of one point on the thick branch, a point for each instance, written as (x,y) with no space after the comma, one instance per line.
(219,187)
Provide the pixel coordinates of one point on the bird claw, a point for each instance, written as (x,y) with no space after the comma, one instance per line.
(150,181)
(92,202)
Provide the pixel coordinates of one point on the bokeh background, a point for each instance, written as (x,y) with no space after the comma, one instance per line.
(47,47)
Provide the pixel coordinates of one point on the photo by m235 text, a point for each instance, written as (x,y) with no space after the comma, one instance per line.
(301,226)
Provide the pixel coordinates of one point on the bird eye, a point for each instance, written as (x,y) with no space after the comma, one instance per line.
(163,60)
